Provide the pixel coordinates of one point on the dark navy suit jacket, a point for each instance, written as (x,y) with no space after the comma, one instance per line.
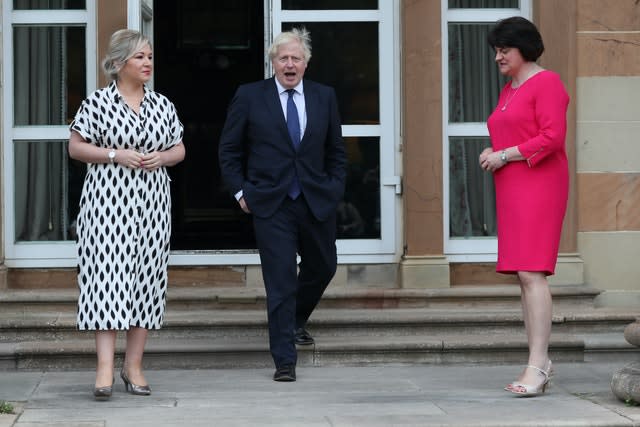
(256,153)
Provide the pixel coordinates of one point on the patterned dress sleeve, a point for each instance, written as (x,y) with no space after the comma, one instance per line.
(175,128)
(551,104)
(86,121)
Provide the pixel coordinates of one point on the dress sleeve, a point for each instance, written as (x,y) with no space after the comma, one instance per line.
(176,129)
(550,108)
(86,121)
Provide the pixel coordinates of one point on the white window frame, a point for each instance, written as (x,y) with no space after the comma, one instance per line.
(478,249)
(36,254)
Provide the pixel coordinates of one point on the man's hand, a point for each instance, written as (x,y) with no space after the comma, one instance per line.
(243,205)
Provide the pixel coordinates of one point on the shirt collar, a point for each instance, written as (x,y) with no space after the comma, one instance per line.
(115,96)
(299,88)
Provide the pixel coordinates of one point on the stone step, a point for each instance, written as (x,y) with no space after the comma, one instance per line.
(188,353)
(327,322)
(235,298)
(227,327)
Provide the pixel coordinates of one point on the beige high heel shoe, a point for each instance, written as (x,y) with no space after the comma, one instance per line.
(528,390)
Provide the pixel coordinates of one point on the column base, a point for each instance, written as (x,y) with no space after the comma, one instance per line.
(569,270)
(424,272)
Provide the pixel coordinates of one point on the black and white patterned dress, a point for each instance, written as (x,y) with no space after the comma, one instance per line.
(124,222)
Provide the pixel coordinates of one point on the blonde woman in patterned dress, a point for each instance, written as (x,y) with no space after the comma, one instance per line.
(127,135)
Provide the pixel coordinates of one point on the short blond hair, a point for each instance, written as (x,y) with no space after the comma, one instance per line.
(300,35)
(122,46)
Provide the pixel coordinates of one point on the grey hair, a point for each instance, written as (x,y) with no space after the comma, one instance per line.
(300,35)
(122,46)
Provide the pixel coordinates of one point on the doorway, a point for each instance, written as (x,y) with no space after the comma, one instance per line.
(203,51)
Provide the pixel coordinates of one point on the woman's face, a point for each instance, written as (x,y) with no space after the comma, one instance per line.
(509,60)
(138,68)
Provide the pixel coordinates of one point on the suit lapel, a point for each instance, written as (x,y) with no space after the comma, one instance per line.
(310,103)
(272,100)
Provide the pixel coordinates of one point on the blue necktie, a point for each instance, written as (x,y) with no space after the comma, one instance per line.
(293,124)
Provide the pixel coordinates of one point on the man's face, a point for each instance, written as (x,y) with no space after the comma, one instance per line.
(289,64)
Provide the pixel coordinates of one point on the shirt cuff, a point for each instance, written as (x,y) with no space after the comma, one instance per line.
(239,195)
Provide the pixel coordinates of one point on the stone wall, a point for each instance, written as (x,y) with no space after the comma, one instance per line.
(608,149)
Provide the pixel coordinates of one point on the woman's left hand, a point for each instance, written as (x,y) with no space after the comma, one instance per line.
(491,161)
(152,161)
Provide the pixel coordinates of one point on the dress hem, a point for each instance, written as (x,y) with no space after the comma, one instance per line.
(511,271)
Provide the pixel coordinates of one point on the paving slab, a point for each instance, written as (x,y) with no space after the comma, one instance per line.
(396,395)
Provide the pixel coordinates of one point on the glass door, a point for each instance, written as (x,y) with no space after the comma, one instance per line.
(203,51)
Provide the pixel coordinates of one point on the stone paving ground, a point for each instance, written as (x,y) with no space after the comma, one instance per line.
(402,395)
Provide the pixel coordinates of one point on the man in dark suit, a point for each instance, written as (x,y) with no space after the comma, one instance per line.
(282,157)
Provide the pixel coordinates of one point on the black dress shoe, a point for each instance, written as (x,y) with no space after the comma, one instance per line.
(285,373)
(302,337)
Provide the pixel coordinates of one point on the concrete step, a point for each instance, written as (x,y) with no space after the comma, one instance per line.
(327,322)
(235,298)
(227,327)
(182,353)
(238,338)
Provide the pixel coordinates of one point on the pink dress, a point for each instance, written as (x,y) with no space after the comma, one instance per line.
(531,195)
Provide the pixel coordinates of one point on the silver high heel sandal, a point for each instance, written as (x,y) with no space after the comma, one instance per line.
(140,390)
(527,390)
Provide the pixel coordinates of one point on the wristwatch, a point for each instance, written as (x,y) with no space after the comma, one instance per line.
(112,156)
(503,156)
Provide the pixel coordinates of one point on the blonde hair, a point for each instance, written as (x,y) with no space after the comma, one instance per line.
(300,35)
(122,46)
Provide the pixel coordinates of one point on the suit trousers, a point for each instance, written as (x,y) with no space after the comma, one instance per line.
(293,291)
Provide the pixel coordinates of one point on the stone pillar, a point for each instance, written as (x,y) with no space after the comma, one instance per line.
(625,383)
(424,263)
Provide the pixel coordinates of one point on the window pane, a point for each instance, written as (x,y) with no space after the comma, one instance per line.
(47,191)
(329,4)
(481,4)
(359,211)
(472,208)
(49,74)
(48,4)
(345,56)
(474,79)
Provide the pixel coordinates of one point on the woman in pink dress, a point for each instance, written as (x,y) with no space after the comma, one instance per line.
(528,159)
